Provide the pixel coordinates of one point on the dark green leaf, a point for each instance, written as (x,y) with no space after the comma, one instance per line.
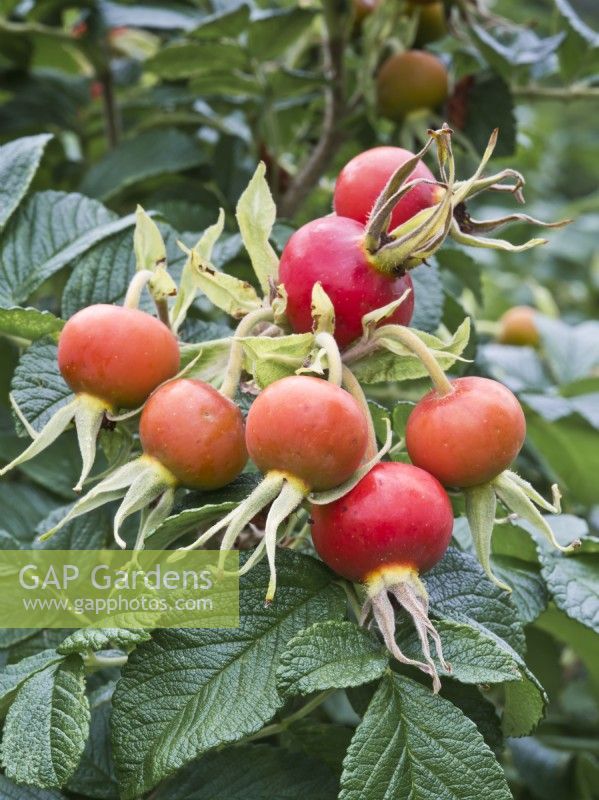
(330,655)
(228,24)
(413,744)
(181,60)
(102,275)
(459,590)
(47,726)
(47,232)
(13,676)
(272,31)
(19,161)
(159,726)
(37,386)
(474,657)
(252,772)
(150,154)
(428,297)
(95,776)
(10,791)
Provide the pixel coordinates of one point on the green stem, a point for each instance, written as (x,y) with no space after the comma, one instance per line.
(335,365)
(409,340)
(569,93)
(352,598)
(352,385)
(136,287)
(94,661)
(281,727)
(234,368)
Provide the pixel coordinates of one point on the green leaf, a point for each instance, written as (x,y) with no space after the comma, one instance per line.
(483,713)
(90,532)
(578,52)
(95,776)
(524,705)
(574,635)
(252,772)
(234,296)
(19,161)
(227,24)
(29,323)
(554,407)
(188,286)
(55,470)
(270,359)
(474,656)
(520,368)
(13,676)
(572,351)
(573,583)
(321,740)
(413,744)
(103,273)
(330,655)
(23,507)
(148,155)
(547,772)
(398,363)
(10,791)
(37,385)
(47,232)
(95,639)
(228,84)
(428,297)
(529,593)
(463,267)
(490,105)
(210,360)
(569,449)
(159,727)
(256,213)
(459,590)
(184,60)
(47,726)
(271,32)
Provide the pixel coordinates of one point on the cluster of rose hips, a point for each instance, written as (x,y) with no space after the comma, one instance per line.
(380,524)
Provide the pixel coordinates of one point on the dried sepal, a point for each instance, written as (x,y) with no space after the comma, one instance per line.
(86,412)
(404,584)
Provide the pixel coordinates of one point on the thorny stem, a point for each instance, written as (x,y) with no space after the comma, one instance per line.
(330,346)
(353,386)
(136,287)
(234,367)
(331,135)
(409,340)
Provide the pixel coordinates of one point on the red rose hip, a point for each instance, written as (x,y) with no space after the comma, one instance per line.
(469,436)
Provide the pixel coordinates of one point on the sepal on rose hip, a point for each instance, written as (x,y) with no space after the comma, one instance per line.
(139,483)
(403,584)
(420,237)
(86,411)
(521,500)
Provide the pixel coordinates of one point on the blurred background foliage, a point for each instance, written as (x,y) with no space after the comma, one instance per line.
(172,104)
